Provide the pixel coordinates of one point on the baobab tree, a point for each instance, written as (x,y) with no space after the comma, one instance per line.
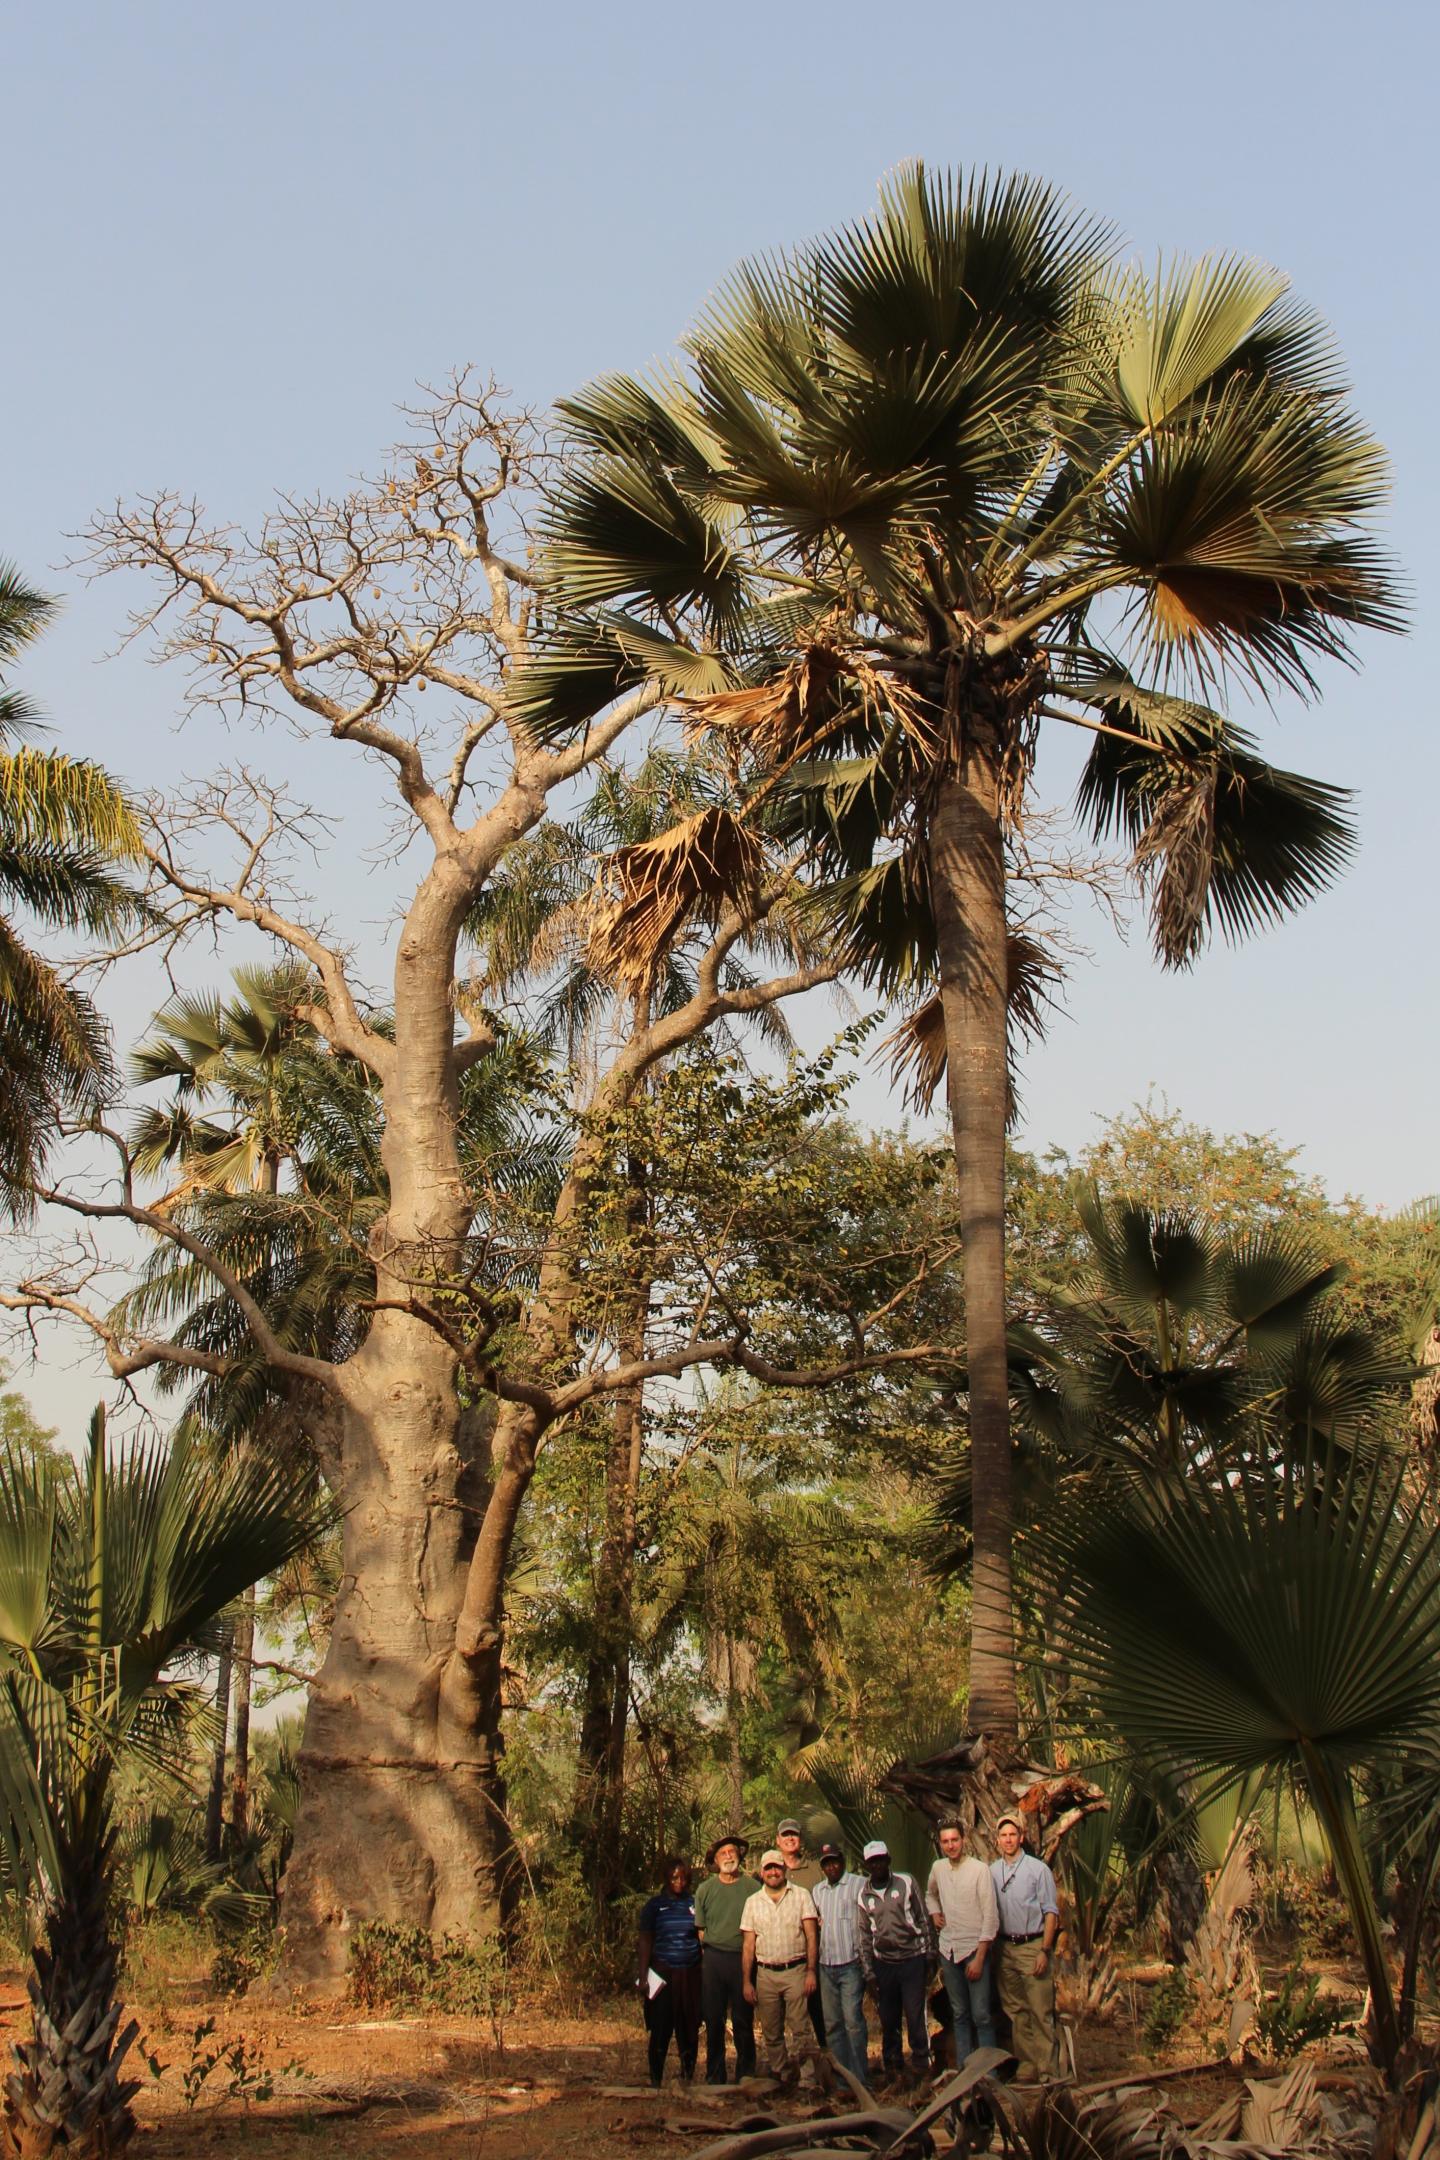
(347,620)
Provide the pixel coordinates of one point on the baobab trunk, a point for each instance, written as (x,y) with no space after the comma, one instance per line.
(403,1804)
(967,877)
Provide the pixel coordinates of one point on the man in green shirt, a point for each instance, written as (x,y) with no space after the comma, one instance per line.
(719,1902)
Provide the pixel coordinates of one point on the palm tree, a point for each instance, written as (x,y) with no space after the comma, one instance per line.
(917,488)
(115,1574)
(234,1049)
(1281,1620)
(64,826)
(1171,1347)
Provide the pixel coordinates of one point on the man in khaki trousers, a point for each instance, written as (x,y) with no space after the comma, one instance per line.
(779,1955)
(1029,1924)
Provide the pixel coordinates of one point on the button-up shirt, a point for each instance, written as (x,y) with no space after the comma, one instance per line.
(835,1903)
(961,1899)
(776,1924)
(1025,1893)
(893,1922)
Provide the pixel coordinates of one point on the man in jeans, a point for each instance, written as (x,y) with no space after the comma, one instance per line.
(779,1947)
(960,1898)
(842,1977)
(897,1950)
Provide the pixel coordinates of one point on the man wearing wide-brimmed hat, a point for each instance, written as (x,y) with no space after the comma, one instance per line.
(719,1903)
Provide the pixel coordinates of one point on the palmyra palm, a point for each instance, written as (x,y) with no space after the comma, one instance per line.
(64,828)
(913,491)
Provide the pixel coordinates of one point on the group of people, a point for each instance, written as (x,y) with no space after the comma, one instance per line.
(806,1943)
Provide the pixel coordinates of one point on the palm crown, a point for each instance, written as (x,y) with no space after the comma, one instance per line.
(913,490)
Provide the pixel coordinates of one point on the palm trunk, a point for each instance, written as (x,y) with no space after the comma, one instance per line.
(215,1801)
(244,1658)
(967,879)
(733,1709)
(66,2093)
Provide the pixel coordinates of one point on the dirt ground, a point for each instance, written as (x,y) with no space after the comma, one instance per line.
(367,2088)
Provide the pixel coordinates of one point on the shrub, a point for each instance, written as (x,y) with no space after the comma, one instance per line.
(403,1968)
(1295,2015)
(1169,2007)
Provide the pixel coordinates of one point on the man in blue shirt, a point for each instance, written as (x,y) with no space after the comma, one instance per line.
(842,1977)
(1029,1924)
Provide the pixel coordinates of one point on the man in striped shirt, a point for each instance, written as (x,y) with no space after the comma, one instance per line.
(842,1976)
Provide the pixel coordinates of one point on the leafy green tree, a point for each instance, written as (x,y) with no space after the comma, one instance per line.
(940,477)
(114,1577)
(65,828)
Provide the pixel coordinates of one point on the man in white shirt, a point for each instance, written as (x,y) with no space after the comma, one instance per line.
(842,1977)
(961,1901)
(779,1946)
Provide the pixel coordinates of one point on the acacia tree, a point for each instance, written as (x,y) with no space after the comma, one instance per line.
(940,477)
(335,618)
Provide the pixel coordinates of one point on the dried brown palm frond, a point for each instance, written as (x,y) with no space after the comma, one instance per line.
(917,1047)
(647,892)
(822,689)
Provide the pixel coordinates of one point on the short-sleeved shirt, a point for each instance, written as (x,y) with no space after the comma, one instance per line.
(776,1924)
(718,1907)
(806,1874)
(962,1896)
(670,1923)
(1025,1893)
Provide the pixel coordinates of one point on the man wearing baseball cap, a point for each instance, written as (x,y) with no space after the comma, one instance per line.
(842,1976)
(779,1952)
(897,1950)
(1029,1924)
(805,1873)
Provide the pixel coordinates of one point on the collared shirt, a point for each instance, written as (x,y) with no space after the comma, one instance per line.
(776,1924)
(807,1874)
(961,1898)
(718,1907)
(835,1903)
(893,1922)
(1025,1892)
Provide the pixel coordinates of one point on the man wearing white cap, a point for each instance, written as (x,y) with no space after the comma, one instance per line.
(897,1950)
(779,1953)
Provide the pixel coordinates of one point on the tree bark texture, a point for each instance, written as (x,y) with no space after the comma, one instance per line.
(402,1814)
(967,876)
(402,1817)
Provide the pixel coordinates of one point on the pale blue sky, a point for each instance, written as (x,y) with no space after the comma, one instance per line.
(237,237)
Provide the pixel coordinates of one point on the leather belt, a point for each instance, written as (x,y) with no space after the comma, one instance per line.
(1036,1937)
(788,1966)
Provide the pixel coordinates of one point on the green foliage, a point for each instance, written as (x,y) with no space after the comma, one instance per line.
(1170,2004)
(403,1968)
(1295,2015)
(215,2070)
